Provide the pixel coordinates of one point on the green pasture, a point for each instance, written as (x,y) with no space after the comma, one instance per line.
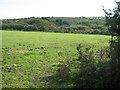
(44,51)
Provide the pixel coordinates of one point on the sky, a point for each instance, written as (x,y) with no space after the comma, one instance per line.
(10,9)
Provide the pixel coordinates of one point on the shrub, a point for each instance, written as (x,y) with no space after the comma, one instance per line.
(63,70)
(93,68)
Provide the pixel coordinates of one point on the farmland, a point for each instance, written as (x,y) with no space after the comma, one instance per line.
(41,52)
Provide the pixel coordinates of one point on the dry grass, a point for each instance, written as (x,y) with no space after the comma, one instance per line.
(17,51)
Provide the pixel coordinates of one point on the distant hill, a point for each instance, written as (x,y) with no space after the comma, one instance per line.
(87,25)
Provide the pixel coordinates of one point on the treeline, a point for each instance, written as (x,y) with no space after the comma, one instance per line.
(58,24)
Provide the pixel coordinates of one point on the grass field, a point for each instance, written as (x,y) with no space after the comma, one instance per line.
(41,52)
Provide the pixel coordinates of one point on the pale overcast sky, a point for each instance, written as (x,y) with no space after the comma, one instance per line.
(10,9)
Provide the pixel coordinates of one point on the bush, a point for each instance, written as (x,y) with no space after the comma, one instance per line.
(93,68)
(64,69)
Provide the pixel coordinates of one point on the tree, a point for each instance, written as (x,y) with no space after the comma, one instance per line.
(113,21)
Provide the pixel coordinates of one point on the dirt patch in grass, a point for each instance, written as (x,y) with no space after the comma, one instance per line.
(21,51)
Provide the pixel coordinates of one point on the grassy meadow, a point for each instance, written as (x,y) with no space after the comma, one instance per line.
(42,51)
